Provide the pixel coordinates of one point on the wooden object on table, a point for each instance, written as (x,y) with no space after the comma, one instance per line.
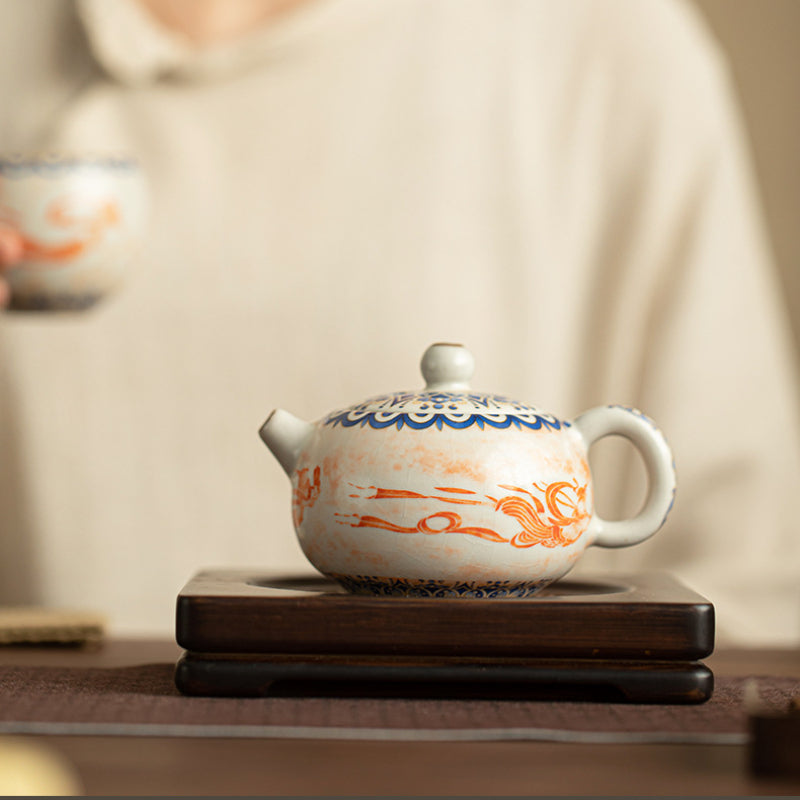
(775,744)
(774,736)
(652,616)
(627,638)
(456,678)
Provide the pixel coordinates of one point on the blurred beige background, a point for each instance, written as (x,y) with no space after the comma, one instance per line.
(761,38)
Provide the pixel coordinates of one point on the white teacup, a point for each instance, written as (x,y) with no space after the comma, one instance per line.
(81,221)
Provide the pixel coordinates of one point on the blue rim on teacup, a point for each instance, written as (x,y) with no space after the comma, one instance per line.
(18,165)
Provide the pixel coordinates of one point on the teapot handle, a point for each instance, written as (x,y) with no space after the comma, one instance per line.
(648,439)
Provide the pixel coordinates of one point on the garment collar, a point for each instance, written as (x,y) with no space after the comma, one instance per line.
(136,49)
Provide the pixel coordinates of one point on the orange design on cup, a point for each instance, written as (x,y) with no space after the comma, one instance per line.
(93,227)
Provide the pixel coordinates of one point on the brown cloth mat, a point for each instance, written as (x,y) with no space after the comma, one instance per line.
(143,701)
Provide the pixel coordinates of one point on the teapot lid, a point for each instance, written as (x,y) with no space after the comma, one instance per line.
(446,400)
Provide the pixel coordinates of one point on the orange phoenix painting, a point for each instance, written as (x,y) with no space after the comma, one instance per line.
(552,515)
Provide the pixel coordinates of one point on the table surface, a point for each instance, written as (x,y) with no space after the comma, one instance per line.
(183,766)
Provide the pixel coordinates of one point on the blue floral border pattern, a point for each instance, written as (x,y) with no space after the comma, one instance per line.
(411,587)
(418,410)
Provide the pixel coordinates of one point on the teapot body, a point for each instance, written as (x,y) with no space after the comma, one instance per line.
(448,492)
(477,505)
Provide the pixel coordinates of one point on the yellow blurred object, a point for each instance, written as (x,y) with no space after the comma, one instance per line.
(35,625)
(29,768)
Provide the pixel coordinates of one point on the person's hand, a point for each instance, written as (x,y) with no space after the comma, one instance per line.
(10,254)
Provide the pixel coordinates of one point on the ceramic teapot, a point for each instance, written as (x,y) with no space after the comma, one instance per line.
(449,492)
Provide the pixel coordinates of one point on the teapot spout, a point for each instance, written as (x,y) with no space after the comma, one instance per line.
(286,436)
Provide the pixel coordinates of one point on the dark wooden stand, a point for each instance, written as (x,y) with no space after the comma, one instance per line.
(624,638)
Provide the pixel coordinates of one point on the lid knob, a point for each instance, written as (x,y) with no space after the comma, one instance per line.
(448,367)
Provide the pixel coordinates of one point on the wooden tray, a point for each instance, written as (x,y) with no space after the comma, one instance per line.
(625,681)
(650,617)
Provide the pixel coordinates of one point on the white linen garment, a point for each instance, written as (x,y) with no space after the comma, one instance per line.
(561,186)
